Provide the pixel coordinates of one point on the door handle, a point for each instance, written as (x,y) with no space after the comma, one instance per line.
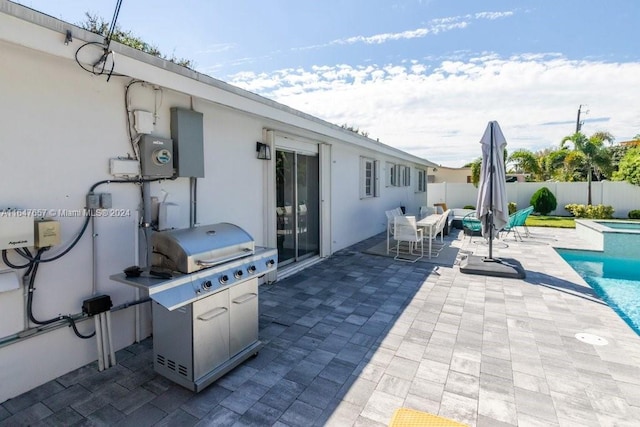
(212,314)
(245,298)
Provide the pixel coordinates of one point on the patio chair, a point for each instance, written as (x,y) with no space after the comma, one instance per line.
(438,229)
(391,214)
(471,224)
(426,210)
(406,230)
(518,219)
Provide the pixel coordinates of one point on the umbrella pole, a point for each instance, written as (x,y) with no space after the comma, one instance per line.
(490,216)
(492,170)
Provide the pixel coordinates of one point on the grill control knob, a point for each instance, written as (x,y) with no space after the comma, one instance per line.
(251,269)
(270,263)
(206,285)
(238,274)
(223,279)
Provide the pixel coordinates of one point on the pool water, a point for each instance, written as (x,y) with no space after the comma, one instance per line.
(615,280)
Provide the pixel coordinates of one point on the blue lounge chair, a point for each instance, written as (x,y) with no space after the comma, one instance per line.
(518,219)
(471,224)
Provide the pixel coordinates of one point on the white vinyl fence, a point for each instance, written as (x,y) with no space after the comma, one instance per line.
(622,196)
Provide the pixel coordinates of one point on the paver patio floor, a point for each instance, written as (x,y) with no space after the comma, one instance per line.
(354,337)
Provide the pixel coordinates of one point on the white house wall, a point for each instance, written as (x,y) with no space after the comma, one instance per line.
(61,125)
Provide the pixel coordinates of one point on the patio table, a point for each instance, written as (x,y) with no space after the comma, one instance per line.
(428,222)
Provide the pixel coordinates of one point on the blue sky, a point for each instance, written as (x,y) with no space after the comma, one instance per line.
(423,76)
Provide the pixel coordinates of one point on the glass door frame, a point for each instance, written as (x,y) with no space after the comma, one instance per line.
(294,215)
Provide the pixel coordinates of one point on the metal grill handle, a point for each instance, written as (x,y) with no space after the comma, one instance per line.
(216,261)
(212,314)
(244,298)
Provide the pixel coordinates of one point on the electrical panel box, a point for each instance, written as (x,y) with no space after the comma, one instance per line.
(156,157)
(46,233)
(16,229)
(188,142)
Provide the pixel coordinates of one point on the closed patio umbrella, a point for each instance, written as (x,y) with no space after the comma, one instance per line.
(491,206)
(492,209)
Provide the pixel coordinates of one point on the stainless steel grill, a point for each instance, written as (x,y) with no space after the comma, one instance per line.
(205,311)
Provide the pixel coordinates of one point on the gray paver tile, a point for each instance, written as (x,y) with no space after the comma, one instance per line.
(105,416)
(402,368)
(300,413)
(394,386)
(133,400)
(259,415)
(282,395)
(27,416)
(462,384)
(146,415)
(357,390)
(219,417)
(177,418)
(202,403)
(380,407)
(458,408)
(538,405)
(31,397)
(320,393)
(65,397)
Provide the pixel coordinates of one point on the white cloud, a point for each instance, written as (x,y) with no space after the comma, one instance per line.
(440,111)
(435,26)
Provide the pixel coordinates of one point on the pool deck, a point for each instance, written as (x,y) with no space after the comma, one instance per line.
(356,336)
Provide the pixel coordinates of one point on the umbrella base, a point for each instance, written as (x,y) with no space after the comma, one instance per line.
(498,267)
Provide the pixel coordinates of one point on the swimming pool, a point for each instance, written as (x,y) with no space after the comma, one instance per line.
(614,279)
(614,237)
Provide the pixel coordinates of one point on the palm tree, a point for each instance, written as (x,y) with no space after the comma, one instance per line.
(525,161)
(589,154)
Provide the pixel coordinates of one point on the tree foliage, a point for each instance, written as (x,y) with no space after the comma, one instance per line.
(589,156)
(98,25)
(629,167)
(524,161)
(355,129)
(476,165)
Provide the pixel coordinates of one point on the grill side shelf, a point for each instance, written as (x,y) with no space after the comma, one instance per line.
(184,289)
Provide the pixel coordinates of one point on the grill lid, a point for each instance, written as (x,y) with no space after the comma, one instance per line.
(191,249)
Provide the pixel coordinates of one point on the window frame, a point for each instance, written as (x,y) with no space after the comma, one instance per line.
(369,174)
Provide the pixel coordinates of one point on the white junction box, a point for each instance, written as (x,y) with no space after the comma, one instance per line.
(143,121)
(124,167)
(16,229)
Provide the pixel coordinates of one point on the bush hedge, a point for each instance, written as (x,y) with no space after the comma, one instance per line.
(590,211)
(634,214)
(543,201)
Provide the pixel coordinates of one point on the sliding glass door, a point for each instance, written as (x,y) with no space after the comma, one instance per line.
(297,206)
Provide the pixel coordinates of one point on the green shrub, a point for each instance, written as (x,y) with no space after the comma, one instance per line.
(513,207)
(634,214)
(591,211)
(469,207)
(543,201)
